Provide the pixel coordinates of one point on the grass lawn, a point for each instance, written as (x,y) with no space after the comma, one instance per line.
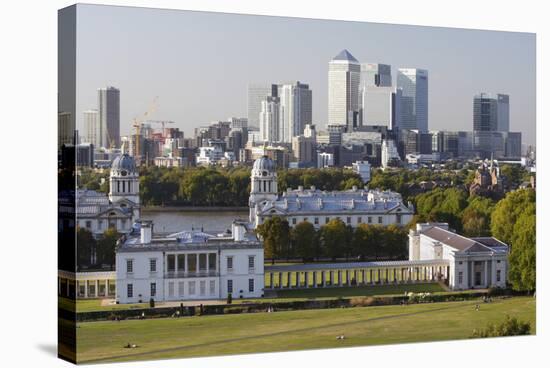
(295,330)
(92,305)
(359,291)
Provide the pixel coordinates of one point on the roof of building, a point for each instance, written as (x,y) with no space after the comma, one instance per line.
(264,163)
(92,203)
(464,244)
(348,201)
(353,265)
(124,162)
(346,56)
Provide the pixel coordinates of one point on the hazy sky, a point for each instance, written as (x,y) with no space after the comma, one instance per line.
(199,63)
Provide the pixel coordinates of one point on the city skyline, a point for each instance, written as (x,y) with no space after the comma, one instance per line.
(143,63)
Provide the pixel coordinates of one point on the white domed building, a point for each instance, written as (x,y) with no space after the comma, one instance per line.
(120,208)
(354,206)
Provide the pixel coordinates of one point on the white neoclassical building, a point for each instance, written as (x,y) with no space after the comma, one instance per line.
(120,208)
(353,207)
(473,262)
(190,265)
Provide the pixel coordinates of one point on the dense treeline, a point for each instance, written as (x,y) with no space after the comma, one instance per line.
(333,240)
(228,187)
(96,253)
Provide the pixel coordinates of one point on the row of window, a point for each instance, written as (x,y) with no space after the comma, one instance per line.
(348,220)
(192,263)
(250,286)
(181,288)
(88,224)
(461,277)
(124,189)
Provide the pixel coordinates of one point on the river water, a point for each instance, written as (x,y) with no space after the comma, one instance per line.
(174,221)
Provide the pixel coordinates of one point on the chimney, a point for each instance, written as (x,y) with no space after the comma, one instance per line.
(146,232)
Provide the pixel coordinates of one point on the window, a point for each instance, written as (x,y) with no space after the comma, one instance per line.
(130,290)
(369,220)
(202,287)
(170,289)
(498,261)
(191,263)
(99,224)
(88,224)
(192,287)
(181,262)
(153,265)
(212,287)
(305,219)
(348,220)
(171,262)
(229,286)
(460,262)
(181,288)
(251,262)
(498,275)
(229,263)
(202,262)
(129,266)
(379,219)
(153,288)
(327,220)
(212,261)
(250,285)
(316,220)
(398,218)
(294,221)
(460,277)
(359,220)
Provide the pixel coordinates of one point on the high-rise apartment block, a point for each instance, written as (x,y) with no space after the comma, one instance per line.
(256,94)
(91,127)
(296,110)
(491,113)
(414,99)
(108,104)
(269,119)
(343,89)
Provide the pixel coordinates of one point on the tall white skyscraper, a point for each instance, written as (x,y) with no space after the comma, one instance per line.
(256,94)
(269,119)
(414,100)
(343,89)
(380,106)
(91,126)
(296,110)
(108,105)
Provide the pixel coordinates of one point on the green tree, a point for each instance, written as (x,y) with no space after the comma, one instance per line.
(336,238)
(303,237)
(509,327)
(476,218)
(507,212)
(85,246)
(275,233)
(106,247)
(522,259)
(395,241)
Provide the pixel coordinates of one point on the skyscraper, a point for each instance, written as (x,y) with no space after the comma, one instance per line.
(108,104)
(380,106)
(373,74)
(296,110)
(491,113)
(256,94)
(343,89)
(269,119)
(91,127)
(414,99)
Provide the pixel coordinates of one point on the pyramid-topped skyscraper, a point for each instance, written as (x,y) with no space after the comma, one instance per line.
(344,72)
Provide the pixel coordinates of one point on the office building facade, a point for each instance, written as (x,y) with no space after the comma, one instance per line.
(343,89)
(414,99)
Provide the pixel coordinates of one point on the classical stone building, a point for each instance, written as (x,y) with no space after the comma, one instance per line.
(472,262)
(189,265)
(353,207)
(120,208)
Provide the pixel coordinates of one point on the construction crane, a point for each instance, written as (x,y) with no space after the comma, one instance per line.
(137,125)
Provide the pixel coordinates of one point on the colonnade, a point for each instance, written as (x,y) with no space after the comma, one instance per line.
(289,277)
